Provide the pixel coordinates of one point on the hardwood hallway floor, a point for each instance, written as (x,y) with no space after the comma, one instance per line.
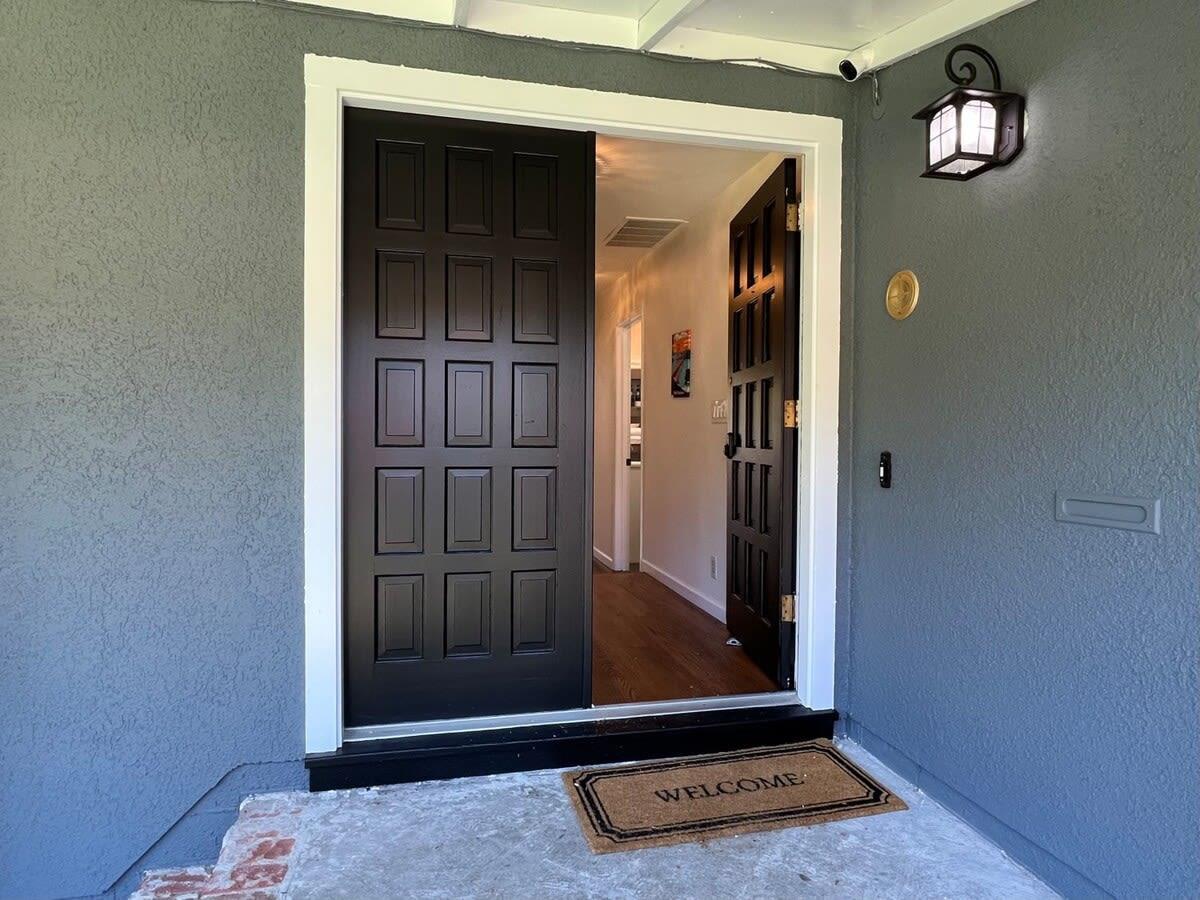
(648,643)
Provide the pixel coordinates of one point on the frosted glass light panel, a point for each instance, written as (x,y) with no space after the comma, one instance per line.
(970,131)
(979,127)
(943,135)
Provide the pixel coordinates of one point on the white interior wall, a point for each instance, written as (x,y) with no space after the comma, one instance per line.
(680,284)
(635,515)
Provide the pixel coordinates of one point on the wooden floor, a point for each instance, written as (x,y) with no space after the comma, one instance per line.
(648,643)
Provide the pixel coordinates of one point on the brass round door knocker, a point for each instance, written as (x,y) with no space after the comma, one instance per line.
(903,290)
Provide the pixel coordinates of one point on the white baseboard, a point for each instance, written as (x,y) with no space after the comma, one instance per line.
(603,557)
(689,593)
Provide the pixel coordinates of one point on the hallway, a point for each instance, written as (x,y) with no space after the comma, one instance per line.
(649,643)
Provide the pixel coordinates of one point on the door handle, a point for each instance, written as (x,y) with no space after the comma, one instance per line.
(731,445)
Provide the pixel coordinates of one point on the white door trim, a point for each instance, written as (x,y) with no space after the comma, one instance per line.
(624,381)
(330,85)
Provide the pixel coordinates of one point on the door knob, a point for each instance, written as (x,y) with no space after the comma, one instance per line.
(731,445)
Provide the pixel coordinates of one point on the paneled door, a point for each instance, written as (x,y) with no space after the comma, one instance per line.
(467,359)
(762,444)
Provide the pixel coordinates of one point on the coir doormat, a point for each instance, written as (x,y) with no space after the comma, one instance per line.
(700,797)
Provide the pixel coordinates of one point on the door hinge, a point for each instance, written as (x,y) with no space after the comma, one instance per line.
(787,608)
(790,419)
(793,217)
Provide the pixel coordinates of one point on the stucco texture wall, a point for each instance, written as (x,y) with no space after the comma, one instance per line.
(150,395)
(1038,676)
(1045,672)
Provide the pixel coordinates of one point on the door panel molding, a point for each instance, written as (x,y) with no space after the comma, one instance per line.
(331,84)
(466,460)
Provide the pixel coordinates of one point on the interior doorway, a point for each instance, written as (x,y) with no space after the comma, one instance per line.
(696,288)
(627,498)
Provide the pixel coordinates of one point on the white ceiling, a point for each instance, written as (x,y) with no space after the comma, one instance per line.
(654,179)
(843,24)
(630,9)
(811,34)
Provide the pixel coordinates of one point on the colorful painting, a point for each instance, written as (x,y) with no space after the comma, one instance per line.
(681,364)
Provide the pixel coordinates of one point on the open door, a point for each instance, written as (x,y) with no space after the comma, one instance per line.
(762,444)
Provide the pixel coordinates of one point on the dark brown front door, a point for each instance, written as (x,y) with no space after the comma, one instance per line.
(467,361)
(764,289)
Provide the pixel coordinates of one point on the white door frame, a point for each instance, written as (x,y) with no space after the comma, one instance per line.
(624,382)
(330,85)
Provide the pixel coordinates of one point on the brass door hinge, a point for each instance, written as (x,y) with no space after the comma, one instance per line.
(793,217)
(787,608)
(790,415)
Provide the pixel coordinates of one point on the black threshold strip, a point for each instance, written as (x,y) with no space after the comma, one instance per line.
(523,749)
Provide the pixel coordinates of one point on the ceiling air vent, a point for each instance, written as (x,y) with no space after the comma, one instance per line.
(642,233)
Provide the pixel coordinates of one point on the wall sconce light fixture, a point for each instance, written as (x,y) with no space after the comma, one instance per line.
(969,130)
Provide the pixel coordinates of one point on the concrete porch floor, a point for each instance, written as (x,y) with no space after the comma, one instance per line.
(516,835)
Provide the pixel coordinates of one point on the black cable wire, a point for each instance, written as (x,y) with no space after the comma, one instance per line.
(574,45)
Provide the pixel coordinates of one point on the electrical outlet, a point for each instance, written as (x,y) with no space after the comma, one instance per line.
(712,567)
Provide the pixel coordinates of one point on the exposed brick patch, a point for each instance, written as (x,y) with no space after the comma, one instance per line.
(257,851)
(172,884)
(256,856)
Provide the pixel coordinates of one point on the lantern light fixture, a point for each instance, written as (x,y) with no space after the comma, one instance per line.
(970,130)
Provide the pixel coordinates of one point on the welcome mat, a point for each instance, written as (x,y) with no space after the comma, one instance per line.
(700,797)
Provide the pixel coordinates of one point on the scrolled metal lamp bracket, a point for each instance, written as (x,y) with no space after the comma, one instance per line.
(968,70)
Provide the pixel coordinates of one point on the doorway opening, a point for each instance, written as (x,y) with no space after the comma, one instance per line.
(335,87)
(692,537)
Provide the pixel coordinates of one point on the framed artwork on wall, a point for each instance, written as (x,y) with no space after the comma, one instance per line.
(681,363)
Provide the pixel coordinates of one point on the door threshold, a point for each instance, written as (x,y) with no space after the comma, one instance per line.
(527,747)
(567,716)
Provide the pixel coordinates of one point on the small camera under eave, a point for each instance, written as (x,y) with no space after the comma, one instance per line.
(856,65)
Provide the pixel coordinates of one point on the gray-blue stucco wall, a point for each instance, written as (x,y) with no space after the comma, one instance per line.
(151,261)
(1040,677)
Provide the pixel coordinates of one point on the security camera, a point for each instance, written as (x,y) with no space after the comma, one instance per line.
(856,64)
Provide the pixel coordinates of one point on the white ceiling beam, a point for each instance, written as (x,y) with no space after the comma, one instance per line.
(553,24)
(934,27)
(661,28)
(439,11)
(701,44)
(661,18)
